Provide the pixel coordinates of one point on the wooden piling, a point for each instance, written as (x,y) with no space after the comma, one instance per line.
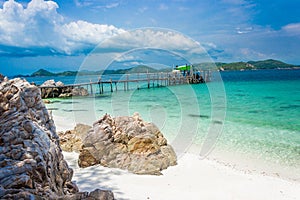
(111,87)
(154,79)
(127,81)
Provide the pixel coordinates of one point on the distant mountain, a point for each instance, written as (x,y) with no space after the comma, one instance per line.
(237,66)
(270,64)
(67,73)
(137,69)
(250,65)
(142,69)
(42,72)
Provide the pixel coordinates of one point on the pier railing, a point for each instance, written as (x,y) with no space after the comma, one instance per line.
(136,81)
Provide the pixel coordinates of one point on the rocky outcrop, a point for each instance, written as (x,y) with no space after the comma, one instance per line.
(31,162)
(71,140)
(127,143)
(52,89)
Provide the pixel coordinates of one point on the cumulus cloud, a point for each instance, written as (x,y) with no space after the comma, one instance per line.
(152,38)
(39,27)
(82,33)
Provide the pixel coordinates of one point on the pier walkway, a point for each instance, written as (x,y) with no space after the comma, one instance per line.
(136,81)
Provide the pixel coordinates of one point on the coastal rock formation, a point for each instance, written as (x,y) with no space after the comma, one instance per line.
(31,162)
(127,143)
(52,89)
(71,140)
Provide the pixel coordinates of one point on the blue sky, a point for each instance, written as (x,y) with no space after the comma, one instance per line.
(59,35)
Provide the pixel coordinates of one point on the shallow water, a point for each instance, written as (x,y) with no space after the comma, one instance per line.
(262,111)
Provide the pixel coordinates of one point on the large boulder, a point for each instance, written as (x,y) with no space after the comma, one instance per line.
(80,91)
(32,165)
(127,143)
(49,83)
(71,140)
(52,89)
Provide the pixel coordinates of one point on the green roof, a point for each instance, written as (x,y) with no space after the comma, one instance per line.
(183,67)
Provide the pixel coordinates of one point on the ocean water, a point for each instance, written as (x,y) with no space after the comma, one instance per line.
(250,116)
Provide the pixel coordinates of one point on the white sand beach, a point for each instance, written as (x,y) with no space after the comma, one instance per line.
(192,178)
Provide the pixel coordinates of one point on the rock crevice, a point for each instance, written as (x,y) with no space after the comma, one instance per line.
(31,162)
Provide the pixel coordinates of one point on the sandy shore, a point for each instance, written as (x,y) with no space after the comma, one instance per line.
(192,178)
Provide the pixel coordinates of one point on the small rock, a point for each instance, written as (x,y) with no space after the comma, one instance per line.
(46,101)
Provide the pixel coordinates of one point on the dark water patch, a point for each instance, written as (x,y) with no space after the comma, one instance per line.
(74,110)
(55,101)
(69,102)
(240,95)
(292,106)
(101,96)
(217,122)
(297,100)
(148,106)
(52,108)
(269,97)
(197,116)
(255,111)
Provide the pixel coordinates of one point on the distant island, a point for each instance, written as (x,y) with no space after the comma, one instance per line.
(250,65)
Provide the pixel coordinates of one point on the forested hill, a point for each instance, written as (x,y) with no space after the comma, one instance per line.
(250,65)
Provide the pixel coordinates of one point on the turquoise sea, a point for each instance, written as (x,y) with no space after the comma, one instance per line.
(260,130)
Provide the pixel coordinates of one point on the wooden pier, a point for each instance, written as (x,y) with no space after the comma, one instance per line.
(136,81)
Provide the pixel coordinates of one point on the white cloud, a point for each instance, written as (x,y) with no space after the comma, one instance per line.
(39,29)
(210,45)
(152,38)
(292,29)
(252,54)
(143,9)
(125,58)
(84,32)
(163,7)
(96,4)
(235,2)
(39,26)
(244,30)
(112,5)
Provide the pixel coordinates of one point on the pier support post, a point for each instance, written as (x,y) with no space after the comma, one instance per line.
(148,80)
(138,77)
(111,87)
(127,82)
(91,85)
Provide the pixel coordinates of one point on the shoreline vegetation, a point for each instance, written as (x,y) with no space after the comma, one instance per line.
(234,66)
